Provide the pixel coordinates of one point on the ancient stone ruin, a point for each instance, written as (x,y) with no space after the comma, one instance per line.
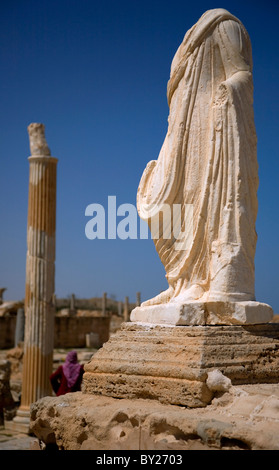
(208,160)
(40,275)
(197,366)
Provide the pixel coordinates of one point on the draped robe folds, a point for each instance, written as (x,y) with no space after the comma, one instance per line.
(208,162)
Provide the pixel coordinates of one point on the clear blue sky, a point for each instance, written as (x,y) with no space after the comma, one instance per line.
(95,73)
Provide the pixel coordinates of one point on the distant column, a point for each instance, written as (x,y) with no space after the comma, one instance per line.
(72,302)
(19,331)
(54,305)
(120,308)
(2,290)
(126,310)
(138,299)
(40,271)
(73,305)
(104,304)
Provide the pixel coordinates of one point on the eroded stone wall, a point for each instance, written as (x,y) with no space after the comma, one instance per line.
(69,332)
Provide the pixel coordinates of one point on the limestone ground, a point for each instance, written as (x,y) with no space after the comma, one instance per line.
(16,441)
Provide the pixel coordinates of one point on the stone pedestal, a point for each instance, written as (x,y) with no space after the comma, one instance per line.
(171,363)
(204,313)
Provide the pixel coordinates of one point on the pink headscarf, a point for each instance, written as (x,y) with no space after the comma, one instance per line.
(71,368)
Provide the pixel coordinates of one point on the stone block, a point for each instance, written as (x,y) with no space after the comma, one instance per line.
(79,421)
(204,313)
(171,363)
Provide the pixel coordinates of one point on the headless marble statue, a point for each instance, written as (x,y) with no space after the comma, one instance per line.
(208,161)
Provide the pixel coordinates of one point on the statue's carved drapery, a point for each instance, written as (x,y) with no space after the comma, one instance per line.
(208,160)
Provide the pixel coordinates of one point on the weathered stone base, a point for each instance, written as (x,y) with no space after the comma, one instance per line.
(204,313)
(171,364)
(245,418)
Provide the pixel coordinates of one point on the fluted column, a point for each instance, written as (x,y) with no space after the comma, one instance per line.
(126,310)
(40,271)
(2,290)
(138,299)
(104,304)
